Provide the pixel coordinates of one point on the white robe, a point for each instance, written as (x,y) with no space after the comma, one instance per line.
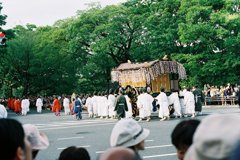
(174,99)
(183,108)
(99,109)
(94,102)
(129,105)
(89,105)
(111,105)
(145,105)
(162,100)
(39,105)
(104,106)
(66,105)
(25,106)
(189,102)
(3,112)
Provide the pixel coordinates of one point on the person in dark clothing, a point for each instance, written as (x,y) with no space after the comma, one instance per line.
(121,105)
(199,99)
(78,108)
(182,136)
(74,153)
(14,144)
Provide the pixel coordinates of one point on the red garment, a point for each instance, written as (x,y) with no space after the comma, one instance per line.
(70,106)
(9,103)
(12,103)
(56,106)
(17,106)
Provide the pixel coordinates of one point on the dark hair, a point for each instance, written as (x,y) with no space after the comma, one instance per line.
(162,89)
(74,153)
(182,134)
(111,91)
(11,137)
(143,90)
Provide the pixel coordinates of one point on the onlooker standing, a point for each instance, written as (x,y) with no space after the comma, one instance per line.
(118,153)
(38,141)
(74,153)
(128,133)
(182,136)
(215,138)
(14,145)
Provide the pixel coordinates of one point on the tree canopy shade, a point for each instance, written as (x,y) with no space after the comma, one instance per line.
(77,54)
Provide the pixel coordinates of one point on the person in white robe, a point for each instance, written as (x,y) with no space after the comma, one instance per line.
(39,104)
(189,102)
(25,106)
(129,105)
(162,100)
(94,103)
(174,99)
(111,104)
(104,106)
(89,105)
(99,105)
(3,111)
(145,105)
(181,98)
(66,105)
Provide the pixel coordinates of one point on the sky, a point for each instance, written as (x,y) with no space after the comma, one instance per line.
(44,12)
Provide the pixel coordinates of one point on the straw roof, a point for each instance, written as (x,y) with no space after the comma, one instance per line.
(130,66)
(150,69)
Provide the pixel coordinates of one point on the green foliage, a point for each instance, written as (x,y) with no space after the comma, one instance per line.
(77,54)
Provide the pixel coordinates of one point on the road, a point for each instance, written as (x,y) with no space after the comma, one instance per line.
(93,134)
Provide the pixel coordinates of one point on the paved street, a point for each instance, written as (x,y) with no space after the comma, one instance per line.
(93,134)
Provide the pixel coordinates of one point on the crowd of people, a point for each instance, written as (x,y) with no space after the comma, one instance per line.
(125,102)
(23,142)
(223,95)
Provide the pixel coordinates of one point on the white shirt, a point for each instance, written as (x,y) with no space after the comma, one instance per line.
(3,111)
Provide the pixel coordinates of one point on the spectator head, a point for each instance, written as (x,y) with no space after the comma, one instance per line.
(128,133)
(118,153)
(182,136)
(74,153)
(14,145)
(215,138)
(38,141)
(189,89)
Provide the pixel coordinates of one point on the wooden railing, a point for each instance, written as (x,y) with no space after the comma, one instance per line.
(221,100)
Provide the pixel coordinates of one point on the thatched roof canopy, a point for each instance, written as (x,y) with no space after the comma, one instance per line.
(130,66)
(147,70)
